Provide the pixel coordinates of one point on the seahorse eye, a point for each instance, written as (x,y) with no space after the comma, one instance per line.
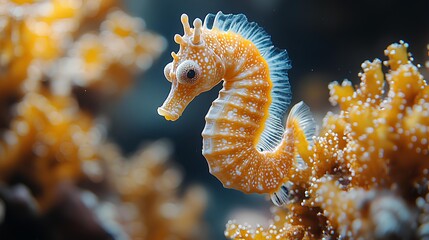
(188,72)
(167,71)
(191,73)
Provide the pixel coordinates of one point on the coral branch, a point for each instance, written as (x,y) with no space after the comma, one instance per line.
(61,62)
(368,174)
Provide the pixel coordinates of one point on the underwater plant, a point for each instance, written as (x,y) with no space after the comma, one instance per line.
(363,177)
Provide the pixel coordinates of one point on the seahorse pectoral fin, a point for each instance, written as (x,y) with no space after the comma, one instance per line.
(176,102)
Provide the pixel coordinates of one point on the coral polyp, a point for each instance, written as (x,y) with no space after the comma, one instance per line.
(368,177)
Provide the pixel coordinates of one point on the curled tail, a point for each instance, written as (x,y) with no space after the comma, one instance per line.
(298,137)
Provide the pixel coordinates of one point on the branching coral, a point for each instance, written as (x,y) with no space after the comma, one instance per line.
(148,190)
(49,141)
(46,129)
(107,61)
(39,34)
(367,174)
(35,32)
(57,178)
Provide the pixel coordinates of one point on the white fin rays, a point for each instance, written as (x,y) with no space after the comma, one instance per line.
(282,196)
(301,112)
(281,95)
(238,23)
(278,63)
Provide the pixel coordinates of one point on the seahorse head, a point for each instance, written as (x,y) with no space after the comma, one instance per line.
(194,69)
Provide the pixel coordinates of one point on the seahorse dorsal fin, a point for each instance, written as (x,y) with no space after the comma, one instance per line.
(278,63)
(238,23)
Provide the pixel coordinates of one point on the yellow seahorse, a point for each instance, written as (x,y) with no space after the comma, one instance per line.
(244,142)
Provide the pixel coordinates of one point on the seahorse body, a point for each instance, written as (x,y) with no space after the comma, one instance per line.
(244,142)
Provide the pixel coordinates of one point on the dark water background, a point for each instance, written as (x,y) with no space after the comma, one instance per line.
(326,41)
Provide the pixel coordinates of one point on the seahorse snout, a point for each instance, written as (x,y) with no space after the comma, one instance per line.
(168,115)
(176,102)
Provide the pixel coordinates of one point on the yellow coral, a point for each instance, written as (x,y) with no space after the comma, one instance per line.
(51,159)
(49,141)
(369,163)
(383,132)
(33,32)
(106,61)
(39,33)
(147,186)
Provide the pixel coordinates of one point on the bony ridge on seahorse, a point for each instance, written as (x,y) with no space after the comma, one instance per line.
(245,144)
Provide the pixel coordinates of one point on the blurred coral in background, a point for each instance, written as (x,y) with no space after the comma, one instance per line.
(61,63)
(367,171)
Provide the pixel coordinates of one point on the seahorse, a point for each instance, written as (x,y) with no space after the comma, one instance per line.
(244,141)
